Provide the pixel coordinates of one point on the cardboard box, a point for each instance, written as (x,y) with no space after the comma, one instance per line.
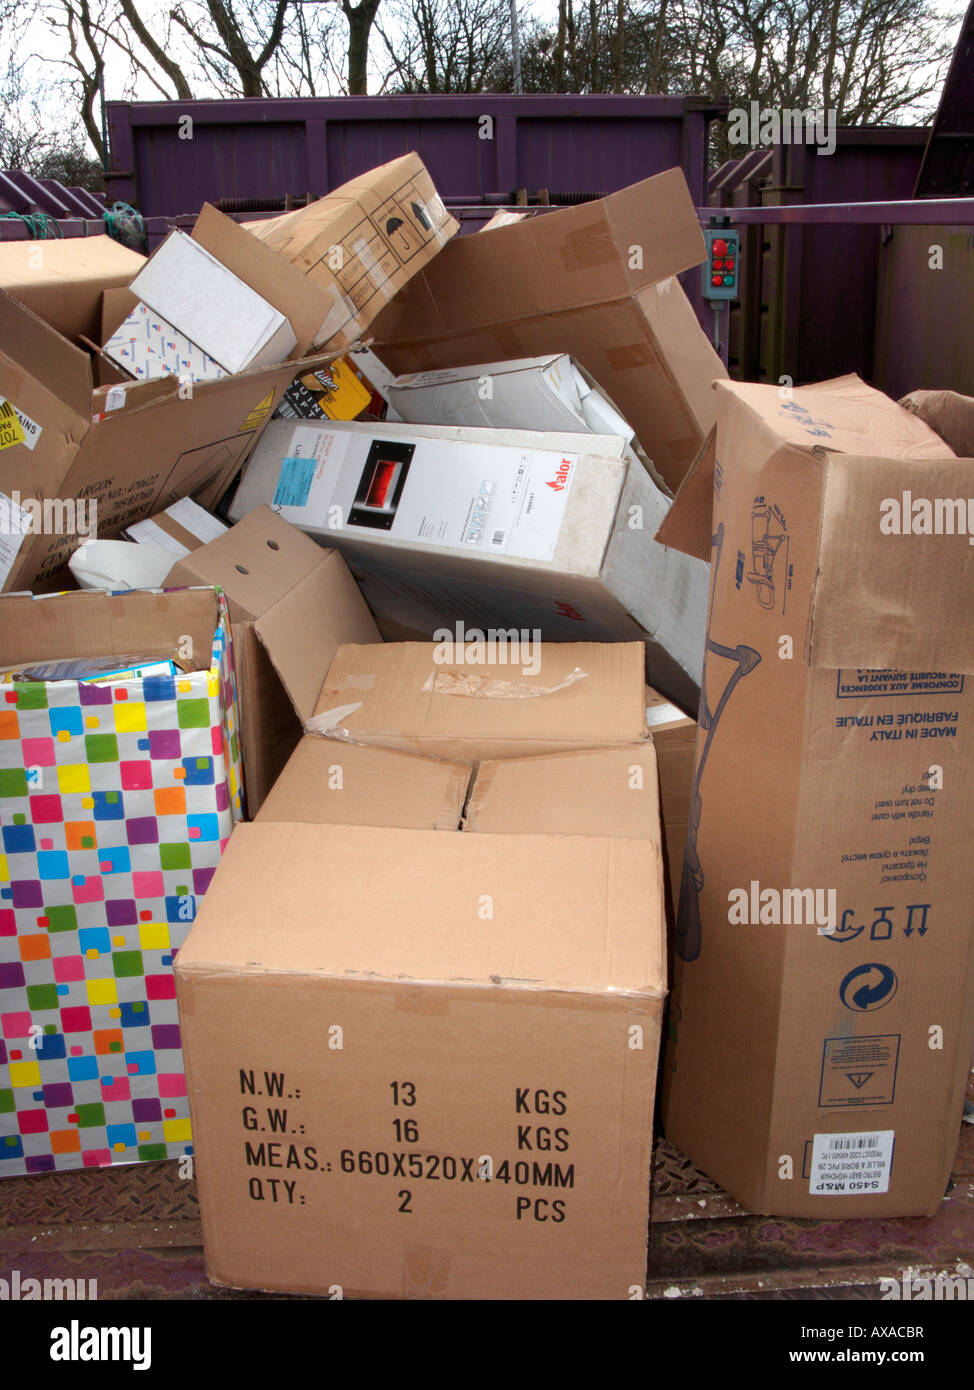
(147,346)
(182,527)
(823,1009)
(292,603)
(134,448)
(674,738)
(117,801)
(53,279)
(358,246)
(548,532)
(596,282)
(462,1031)
(216,310)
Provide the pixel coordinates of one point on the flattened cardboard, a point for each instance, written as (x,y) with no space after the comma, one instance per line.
(327,784)
(815,777)
(596,281)
(292,604)
(386,696)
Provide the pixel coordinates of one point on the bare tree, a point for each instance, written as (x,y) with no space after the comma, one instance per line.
(444,45)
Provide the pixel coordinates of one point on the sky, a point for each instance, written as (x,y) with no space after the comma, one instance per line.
(45,47)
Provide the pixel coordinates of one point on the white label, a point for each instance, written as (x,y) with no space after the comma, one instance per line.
(196,520)
(115,398)
(151,533)
(32,430)
(15,523)
(851,1164)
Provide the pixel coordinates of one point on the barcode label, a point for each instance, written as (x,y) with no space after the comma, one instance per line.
(854,1141)
(851,1164)
(6,409)
(498,538)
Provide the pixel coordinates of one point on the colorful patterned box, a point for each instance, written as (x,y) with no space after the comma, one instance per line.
(116,801)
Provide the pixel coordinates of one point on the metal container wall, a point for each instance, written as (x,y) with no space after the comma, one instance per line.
(171,157)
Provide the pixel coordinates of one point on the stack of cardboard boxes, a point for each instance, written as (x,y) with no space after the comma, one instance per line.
(421,1000)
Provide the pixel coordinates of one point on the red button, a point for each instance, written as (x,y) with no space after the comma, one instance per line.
(720,247)
(718,265)
(718,279)
(728,265)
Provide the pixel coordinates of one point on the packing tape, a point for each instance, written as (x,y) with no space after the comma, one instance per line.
(329,721)
(429,1003)
(489,688)
(425,1272)
(633,355)
(372,268)
(588,247)
(343,311)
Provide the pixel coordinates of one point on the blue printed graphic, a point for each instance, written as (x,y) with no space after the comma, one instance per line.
(294,482)
(868,987)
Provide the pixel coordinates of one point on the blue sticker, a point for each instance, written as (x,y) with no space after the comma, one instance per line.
(294,482)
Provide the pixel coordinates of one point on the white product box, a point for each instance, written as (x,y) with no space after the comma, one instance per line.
(494,528)
(148,346)
(213,307)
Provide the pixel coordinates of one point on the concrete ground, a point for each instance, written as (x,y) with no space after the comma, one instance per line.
(136,1230)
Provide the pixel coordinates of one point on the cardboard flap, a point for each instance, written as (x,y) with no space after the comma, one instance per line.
(602,791)
(569,913)
(947,412)
(263,269)
(843,416)
(580,255)
(33,347)
(304,630)
(885,600)
(377,787)
(688,525)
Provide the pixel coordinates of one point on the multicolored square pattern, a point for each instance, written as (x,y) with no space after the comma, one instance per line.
(116,802)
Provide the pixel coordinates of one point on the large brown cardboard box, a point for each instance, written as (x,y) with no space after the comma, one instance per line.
(292,605)
(596,281)
(131,447)
(435,1079)
(823,1002)
(358,245)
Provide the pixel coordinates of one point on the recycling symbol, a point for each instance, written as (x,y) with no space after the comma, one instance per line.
(868,987)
